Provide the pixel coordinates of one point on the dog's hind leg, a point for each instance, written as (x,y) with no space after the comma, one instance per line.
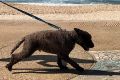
(26,52)
(60,63)
(71,62)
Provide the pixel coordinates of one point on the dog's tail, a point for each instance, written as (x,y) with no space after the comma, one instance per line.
(17,45)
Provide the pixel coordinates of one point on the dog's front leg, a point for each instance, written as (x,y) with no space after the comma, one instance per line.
(60,63)
(71,62)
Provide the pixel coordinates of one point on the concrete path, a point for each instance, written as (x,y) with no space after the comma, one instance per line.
(41,65)
(107,67)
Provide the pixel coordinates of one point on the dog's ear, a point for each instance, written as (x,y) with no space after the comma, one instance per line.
(77,30)
(81,32)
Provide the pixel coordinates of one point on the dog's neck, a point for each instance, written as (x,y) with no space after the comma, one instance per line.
(73,34)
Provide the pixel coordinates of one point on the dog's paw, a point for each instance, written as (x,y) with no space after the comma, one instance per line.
(80,69)
(8,67)
(63,68)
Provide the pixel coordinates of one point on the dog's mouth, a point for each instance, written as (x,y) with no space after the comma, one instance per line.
(85,47)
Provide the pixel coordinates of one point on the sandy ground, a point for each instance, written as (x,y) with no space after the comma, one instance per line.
(41,65)
(46,9)
(101,21)
(106,34)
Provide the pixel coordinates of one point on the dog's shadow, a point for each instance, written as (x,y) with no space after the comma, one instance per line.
(52,58)
(58,71)
(44,59)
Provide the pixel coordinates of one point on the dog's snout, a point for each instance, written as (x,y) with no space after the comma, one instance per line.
(92,45)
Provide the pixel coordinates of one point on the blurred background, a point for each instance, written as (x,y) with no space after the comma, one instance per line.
(66,1)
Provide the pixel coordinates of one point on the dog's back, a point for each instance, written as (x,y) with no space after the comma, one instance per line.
(52,41)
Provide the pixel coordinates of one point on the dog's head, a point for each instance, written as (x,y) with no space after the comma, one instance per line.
(84,39)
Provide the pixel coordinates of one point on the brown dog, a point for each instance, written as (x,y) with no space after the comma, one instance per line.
(60,42)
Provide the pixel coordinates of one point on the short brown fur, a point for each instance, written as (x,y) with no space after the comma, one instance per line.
(60,42)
